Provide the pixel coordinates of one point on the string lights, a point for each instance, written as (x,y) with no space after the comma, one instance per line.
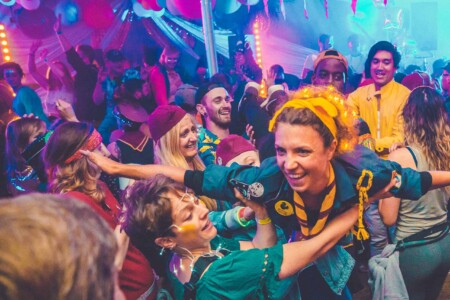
(6,53)
(256,32)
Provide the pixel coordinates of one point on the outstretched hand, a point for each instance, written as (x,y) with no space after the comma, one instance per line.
(258,208)
(35,46)
(65,110)
(107,165)
(250,133)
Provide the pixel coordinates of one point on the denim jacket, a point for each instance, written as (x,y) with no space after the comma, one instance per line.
(267,184)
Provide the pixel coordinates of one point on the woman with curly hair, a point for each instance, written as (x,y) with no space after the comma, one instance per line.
(71,173)
(427,134)
(318,173)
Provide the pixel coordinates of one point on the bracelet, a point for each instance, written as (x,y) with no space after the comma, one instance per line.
(240,218)
(264,221)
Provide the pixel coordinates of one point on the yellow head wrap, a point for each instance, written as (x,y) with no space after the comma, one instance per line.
(321,107)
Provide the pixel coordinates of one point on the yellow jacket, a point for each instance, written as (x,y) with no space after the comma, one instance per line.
(393,97)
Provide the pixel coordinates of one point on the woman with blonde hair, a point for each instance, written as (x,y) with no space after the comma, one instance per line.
(71,173)
(318,173)
(422,223)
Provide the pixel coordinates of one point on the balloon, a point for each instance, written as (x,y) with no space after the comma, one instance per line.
(227,6)
(97,14)
(36,24)
(150,4)
(30,4)
(190,9)
(69,10)
(161,3)
(140,11)
(172,8)
(249,2)
(8,2)
(232,21)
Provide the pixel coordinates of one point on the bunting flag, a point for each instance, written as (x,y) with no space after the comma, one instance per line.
(305,11)
(283,9)
(385,2)
(124,29)
(325,3)
(266,7)
(354,6)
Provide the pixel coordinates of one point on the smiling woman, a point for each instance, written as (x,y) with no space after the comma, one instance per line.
(310,182)
(212,267)
(70,173)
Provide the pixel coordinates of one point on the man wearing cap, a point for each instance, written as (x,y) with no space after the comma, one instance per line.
(165,78)
(330,68)
(214,105)
(108,81)
(325,42)
(130,145)
(438,68)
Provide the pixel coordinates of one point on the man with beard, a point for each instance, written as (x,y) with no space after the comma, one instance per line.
(214,105)
(381,104)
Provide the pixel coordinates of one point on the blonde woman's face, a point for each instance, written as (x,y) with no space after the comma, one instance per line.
(188,138)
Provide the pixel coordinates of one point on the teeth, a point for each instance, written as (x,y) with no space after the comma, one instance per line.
(294,176)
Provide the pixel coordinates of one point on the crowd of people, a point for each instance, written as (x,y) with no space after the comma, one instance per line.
(168,185)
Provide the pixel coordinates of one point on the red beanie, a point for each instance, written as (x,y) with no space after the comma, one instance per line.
(164,118)
(230,147)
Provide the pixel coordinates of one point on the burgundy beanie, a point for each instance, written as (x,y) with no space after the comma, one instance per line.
(230,147)
(164,118)
(414,80)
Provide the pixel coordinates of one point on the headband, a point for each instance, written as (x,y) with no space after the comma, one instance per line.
(321,107)
(91,143)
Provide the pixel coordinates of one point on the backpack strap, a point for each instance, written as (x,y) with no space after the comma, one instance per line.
(422,237)
(413,155)
(200,266)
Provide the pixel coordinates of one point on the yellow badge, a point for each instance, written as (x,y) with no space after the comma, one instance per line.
(284,208)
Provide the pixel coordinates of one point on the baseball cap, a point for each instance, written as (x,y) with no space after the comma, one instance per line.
(330,53)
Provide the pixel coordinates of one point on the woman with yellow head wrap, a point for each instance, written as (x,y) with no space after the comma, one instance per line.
(319,171)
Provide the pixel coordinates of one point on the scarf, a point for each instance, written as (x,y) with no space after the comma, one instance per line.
(325,209)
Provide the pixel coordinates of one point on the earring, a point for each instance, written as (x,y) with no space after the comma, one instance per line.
(162,251)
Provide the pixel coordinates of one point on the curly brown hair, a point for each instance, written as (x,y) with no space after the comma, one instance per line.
(345,134)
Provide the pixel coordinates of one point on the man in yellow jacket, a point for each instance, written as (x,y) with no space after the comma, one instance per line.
(381,103)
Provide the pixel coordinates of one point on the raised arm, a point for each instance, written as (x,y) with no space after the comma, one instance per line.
(134,171)
(65,44)
(40,79)
(298,255)
(99,93)
(266,235)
